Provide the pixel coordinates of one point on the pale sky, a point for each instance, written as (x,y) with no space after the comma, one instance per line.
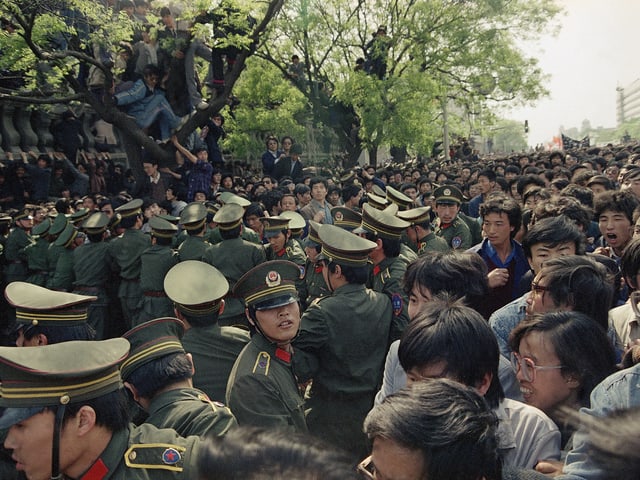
(595,51)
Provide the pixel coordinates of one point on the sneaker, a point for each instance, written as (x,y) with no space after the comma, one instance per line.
(202,105)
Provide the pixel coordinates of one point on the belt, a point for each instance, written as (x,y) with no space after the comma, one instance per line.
(85,288)
(155,293)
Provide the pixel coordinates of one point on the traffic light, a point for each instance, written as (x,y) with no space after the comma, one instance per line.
(437,149)
(526,126)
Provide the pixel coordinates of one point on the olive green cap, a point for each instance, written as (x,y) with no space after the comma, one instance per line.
(398,198)
(129,209)
(150,340)
(313,240)
(67,236)
(448,194)
(79,216)
(416,215)
(230,197)
(383,223)
(269,285)
(346,218)
(377,190)
(36,305)
(296,221)
(161,228)
(229,216)
(42,228)
(5,218)
(59,374)
(272,226)
(377,201)
(22,214)
(343,247)
(59,224)
(193,216)
(195,287)
(170,218)
(347,177)
(96,223)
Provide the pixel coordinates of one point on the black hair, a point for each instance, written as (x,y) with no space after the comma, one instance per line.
(490,174)
(130,221)
(502,204)
(82,331)
(163,241)
(530,179)
(447,330)
(112,410)
(630,263)
(315,180)
(160,373)
(567,207)
(583,194)
(553,231)
(95,237)
(353,274)
(616,201)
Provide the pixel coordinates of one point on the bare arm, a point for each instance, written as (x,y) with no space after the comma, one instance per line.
(190,156)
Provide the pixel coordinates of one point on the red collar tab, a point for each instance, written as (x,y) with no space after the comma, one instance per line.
(97,471)
(281,252)
(376,270)
(318,268)
(283,355)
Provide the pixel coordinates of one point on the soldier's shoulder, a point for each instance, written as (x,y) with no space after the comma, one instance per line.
(160,450)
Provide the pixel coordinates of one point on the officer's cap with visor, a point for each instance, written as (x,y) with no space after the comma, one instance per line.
(269,285)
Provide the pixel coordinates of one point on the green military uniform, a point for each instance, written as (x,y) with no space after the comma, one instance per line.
(233,257)
(187,410)
(346,218)
(431,243)
(36,254)
(63,275)
(196,289)
(54,252)
(156,261)
(92,269)
(75,372)
(388,274)
(341,346)
(126,251)
(316,286)
(421,217)
(262,389)
(457,233)
(292,251)
(474,227)
(14,255)
(398,198)
(193,248)
(192,219)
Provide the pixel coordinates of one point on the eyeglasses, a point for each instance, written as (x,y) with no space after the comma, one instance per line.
(528,367)
(366,468)
(537,288)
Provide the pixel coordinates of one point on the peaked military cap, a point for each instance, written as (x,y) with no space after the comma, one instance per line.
(378,190)
(346,218)
(42,228)
(195,287)
(347,177)
(391,209)
(193,216)
(5,218)
(129,209)
(383,223)
(67,236)
(377,201)
(37,305)
(448,194)
(150,340)
(296,221)
(22,214)
(59,374)
(398,198)
(343,247)
(79,216)
(269,285)
(272,226)
(229,216)
(170,218)
(96,223)
(313,240)
(59,224)
(161,228)
(416,216)
(230,197)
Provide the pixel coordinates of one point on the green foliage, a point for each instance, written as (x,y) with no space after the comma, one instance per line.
(508,136)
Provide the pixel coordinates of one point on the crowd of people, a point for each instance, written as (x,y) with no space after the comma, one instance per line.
(406,316)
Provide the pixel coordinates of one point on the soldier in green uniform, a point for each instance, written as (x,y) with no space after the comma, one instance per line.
(233,257)
(316,287)
(63,275)
(448,226)
(126,251)
(17,241)
(197,290)
(346,218)
(397,197)
(407,254)
(78,217)
(263,389)
(343,342)
(92,270)
(419,232)
(45,317)
(283,247)
(193,219)
(158,374)
(386,277)
(156,261)
(377,202)
(297,225)
(54,251)
(66,413)
(36,254)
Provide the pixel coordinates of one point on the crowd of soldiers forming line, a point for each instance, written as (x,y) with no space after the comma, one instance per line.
(387,327)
